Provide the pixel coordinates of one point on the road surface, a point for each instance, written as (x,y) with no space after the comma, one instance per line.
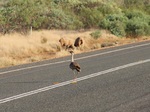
(112,80)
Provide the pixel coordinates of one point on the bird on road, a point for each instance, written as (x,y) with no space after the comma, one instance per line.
(74,66)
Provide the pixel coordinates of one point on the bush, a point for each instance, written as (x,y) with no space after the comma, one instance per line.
(133,23)
(96,34)
(59,19)
(6,21)
(118,28)
(115,23)
(134,3)
(138,23)
(137,28)
(90,17)
(130,14)
(109,8)
(20,15)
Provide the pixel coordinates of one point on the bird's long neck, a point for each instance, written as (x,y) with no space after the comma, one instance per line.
(72,57)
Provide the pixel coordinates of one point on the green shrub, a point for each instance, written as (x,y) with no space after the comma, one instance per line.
(138,23)
(134,3)
(115,23)
(133,23)
(59,19)
(87,12)
(20,15)
(118,28)
(147,9)
(40,14)
(130,14)
(96,34)
(109,8)
(137,28)
(90,17)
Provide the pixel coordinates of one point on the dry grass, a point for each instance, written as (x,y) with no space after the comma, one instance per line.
(19,49)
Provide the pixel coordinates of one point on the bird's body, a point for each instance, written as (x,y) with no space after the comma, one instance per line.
(74,65)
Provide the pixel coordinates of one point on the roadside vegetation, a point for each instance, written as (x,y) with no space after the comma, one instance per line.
(120,17)
(101,23)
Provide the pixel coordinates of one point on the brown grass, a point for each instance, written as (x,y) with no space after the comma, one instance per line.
(20,49)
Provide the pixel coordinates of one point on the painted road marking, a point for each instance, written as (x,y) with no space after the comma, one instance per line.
(70,81)
(59,62)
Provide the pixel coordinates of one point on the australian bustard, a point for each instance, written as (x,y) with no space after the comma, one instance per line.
(74,66)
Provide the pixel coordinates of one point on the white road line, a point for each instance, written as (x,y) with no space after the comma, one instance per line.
(70,81)
(108,52)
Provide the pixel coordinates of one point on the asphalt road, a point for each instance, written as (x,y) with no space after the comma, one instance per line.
(112,80)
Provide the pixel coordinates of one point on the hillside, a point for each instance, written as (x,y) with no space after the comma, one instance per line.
(120,17)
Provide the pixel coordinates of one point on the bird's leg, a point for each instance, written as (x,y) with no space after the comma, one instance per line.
(75,76)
